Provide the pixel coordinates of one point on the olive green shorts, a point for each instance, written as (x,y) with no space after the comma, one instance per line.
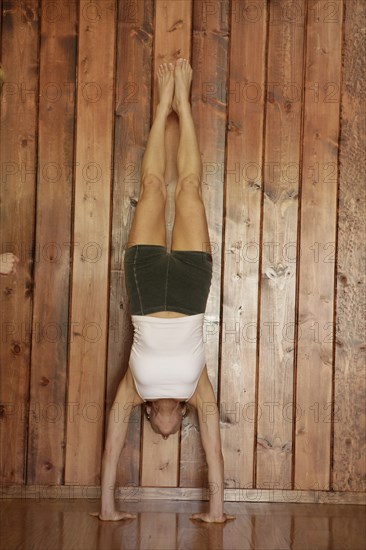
(157,280)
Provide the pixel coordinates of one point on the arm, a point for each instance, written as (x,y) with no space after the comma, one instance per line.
(118,421)
(209,422)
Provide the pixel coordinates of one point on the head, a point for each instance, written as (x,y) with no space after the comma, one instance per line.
(165,415)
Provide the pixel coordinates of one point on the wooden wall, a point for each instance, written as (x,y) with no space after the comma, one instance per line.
(277,100)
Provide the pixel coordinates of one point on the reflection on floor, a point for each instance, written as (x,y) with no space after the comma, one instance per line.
(64,524)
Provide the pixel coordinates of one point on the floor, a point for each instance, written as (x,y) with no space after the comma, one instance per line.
(64,524)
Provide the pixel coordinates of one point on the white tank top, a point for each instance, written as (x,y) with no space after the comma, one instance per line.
(167,356)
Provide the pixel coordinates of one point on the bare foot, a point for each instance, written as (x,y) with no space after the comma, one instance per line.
(165,74)
(183,79)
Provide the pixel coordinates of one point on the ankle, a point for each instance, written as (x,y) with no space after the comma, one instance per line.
(182,107)
(163,109)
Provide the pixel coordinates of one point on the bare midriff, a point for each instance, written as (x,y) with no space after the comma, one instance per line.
(166,314)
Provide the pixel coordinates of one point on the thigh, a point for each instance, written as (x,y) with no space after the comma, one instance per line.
(148,224)
(190,231)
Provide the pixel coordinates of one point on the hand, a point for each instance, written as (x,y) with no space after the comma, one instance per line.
(209,518)
(115,515)
(8,263)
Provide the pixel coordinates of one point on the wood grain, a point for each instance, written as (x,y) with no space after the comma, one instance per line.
(209,63)
(166,526)
(88,318)
(241,245)
(45,459)
(18,148)
(278,250)
(273,156)
(317,240)
(350,385)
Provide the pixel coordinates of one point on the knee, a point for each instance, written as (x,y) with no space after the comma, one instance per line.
(190,183)
(152,183)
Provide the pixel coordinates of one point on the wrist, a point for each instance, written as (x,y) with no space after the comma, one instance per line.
(216,509)
(216,513)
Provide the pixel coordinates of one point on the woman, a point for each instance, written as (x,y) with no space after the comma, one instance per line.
(168,294)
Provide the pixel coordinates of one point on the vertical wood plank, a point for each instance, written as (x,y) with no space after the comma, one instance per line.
(173,23)
(241,241)
(88,320)
(279,241)
(45,459)
(18,148)
(132,124)
(2,74)
(209,63)
(350,390)
(317,240)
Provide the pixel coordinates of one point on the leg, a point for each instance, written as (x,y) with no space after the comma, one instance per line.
(190,231)
(148,225)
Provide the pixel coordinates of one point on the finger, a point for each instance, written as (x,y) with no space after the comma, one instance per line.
(230,517)
(94,514)
(197,517)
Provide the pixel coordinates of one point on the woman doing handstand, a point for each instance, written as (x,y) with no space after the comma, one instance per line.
(167,293)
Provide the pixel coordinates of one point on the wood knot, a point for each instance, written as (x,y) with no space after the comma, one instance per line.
(28,14)
(254,184)
(177,25)
(264,442)
(343,279)
(234,127)
(16,348)
(288,106)
(28,288)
